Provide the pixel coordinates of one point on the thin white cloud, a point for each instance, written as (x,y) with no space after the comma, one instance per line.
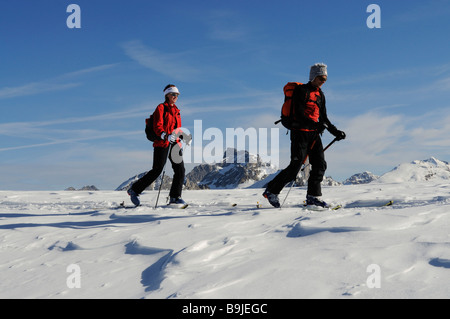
(379,141)
(442,84)
(435,133)
(52,134)
(22,129)
(173,65)
(226,25)
(34,88)
(58,83)
(91,136)
(89,70)
(423,11)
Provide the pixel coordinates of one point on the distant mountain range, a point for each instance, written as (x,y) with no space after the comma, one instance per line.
(238,169)
(245,170)
(361,178)
(84,188)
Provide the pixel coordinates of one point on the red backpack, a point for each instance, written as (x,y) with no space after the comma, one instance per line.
(287,110)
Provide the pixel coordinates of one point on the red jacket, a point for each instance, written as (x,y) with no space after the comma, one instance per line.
(312,109)
(166,121)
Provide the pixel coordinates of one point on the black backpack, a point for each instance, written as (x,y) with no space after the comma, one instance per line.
(149,132)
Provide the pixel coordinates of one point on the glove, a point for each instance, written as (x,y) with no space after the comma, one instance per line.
(172,138)
(340,135)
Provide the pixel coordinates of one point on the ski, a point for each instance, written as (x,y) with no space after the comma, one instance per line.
(134,217)
(179,206)
(370,203)
(258,205)
(175,206)
(389,203)
(320,208)
(124,206)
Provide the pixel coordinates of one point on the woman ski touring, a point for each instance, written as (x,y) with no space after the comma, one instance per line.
(166,124)
(309,120)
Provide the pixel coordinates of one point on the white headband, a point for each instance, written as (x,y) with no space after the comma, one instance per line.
(172,89)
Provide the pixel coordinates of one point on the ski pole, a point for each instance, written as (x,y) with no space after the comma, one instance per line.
(164,172)
(331,143)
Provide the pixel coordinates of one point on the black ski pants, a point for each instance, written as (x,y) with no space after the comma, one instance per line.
(159,160)
(301,142)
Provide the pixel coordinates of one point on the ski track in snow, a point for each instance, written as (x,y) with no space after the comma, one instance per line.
(215,250)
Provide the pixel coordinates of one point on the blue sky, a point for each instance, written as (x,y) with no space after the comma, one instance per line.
(73,101)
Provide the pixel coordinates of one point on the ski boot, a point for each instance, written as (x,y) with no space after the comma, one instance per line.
(272,198)
(178,201)
(315,201)
(134,197)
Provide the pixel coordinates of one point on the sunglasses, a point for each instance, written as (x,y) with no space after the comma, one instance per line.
(173,94)
(322,78)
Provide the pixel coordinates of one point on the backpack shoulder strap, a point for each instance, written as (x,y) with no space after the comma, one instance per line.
(164,108)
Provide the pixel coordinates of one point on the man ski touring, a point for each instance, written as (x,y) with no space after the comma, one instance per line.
(308,123)
(166,124)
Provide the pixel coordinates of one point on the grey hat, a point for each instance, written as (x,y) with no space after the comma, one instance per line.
(317,69)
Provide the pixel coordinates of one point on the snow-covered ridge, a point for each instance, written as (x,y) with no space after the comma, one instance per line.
(418,170)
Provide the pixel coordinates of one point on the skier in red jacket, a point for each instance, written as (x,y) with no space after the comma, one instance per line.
(311,120)
(167,123)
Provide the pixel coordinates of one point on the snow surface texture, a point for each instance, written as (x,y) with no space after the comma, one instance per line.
(213,249)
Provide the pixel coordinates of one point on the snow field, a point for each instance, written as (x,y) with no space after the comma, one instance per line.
(215,250)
